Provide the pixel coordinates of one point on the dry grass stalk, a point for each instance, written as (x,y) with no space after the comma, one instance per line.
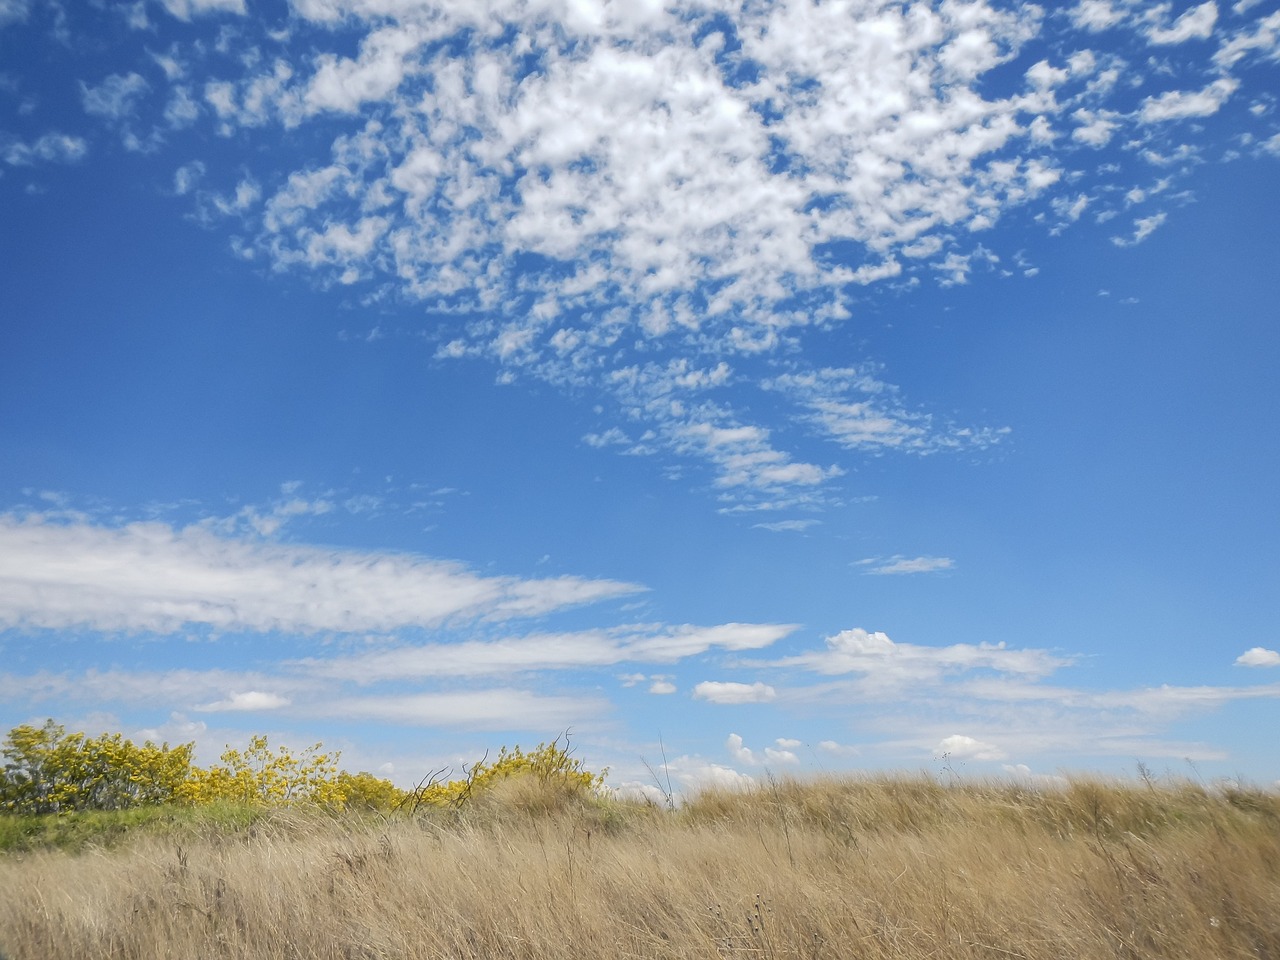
(882,868)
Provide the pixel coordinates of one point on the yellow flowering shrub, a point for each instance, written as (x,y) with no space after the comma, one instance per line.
(550,763)
(262,775)
(48,770)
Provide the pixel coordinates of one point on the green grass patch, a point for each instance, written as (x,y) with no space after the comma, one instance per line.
(75,831)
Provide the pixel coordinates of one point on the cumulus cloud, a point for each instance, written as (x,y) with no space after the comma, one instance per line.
(1195,24)
(1258,657)
(962,747)
(1176,105)
(153,577)
(1096,15)
(874,654)
(745,755)
(734,693)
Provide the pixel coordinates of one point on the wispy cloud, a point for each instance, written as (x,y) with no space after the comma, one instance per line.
(488,709)
(788,526)
(905,565)
(153,577)
(49,148)
(547,651)
(872,653)
(249,700)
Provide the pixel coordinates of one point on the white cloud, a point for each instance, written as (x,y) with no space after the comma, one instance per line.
(1195,24)
(149,576)
(874,654)
(743,754)
(788,526)
(181,110)
(962,747)
(187,176)
(859,411)
(342,85)
(180,689)
(250,700)
(491,709)
(50,148)
(1177,105)
(662,687)
(634,202)
(14,11)
(115,97)
(547,651)
(1258,657)
(1143,228)
(641,171)
(1096,15)
(904,565)
(186,9)
(1264,39)
(734,693)
(839,749)
(1095,129)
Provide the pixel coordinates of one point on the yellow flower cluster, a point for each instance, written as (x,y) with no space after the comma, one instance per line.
(48,770)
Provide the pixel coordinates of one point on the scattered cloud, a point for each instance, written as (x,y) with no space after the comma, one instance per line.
(115,97)
(1195,24)
(771,755)
(49,148)
(14,11)
(1143,228)
(1178,105)
(1258,657)
(1096,15)
(903,565)
(734,693)
(961,747)
(892,664)
(186,9)
(788,526)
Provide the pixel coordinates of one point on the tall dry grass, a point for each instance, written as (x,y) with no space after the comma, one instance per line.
(879,868)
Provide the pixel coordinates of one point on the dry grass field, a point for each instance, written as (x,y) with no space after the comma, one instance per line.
(888,867)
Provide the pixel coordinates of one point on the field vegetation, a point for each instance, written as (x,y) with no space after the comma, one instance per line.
(539,860)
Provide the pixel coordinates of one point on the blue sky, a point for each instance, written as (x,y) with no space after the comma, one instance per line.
(769,387)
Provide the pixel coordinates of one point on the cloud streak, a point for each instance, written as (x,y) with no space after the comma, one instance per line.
(153,577)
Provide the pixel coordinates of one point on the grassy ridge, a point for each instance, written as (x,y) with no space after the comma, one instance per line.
(890,867)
